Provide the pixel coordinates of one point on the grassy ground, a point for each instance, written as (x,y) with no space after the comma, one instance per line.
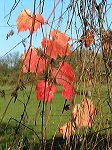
(15,111)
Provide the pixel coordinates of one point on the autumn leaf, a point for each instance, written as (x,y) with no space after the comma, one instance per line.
(58,46)
(34,63)
(69,92)
(84,113)
(26,21)
(59,37)
(44,91)
(77,114)
(88,39)
(65,77)
(42,65)
(30,59)
(89,112)
(50,48)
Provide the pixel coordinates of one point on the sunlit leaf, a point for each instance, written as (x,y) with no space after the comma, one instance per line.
(58,46)
(26,21)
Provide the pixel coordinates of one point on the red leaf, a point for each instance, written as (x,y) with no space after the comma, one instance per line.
(57,46)
(30,59)
(64,74)
(69,92)
(65,77)
(34,63)
(50,48)
(25,21)
(42,65)
(44,91)
(38,21)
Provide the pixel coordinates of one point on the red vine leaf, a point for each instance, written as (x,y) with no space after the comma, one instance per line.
(30,58)
(51,48)
(33,63)
(44,91)
(25,21)
(57,46)
(42,65)
(60,38)
(68,92)
(64,74)
(65,77)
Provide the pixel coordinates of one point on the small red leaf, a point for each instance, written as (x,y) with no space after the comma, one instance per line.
(30,59)
(69,92)
(34,63)
(65,77)
(64,74)
(44,91)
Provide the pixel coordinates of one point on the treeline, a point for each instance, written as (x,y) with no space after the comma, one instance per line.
(9,68)
(87,65)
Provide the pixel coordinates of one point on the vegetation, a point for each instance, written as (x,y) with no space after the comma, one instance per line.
(58,96)
(15,111)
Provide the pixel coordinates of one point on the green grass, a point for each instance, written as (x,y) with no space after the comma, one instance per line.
(15,111)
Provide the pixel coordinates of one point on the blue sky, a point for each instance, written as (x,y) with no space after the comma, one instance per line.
(6,5)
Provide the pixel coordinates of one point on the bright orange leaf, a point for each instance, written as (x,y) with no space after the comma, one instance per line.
(25,21)
(60,37)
